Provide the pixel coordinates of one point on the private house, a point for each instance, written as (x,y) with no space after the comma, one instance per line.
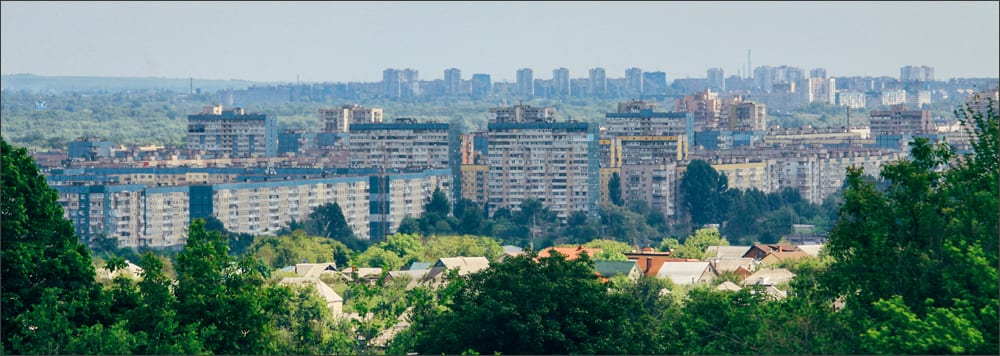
(726,251)
(649,260)
(811,250)
(608,269)
(742,267)
(687,272)
(760,251)
(314,270)
(464,266)
(781,256)
(333,300)
(728,286)
(362,274)
(414,277)
(769,277)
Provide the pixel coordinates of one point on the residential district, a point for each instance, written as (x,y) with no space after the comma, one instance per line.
(237,167)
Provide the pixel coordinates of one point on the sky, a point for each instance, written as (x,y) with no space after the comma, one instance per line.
(356,41)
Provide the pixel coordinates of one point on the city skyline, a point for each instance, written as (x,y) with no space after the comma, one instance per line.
(355,42)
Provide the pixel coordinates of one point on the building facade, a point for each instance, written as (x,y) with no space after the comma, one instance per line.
(232,133)
(553,162)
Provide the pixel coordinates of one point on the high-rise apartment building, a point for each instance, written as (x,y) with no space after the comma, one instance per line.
(716,79)
(453,81)
(598,82)
(560,82)
(404,145)
(553,162)
(521,113)
(819,90)
(633,81)
(900,121)
(747,116)
(916,74)
(852,99)
(706,107)
(893,97)
(338,120)
(400,84)
(232,133)
(654,83)
(817,73)
(525,82)
(644,146)
(481,85)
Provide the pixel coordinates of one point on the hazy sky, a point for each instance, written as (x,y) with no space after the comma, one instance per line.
(355,41)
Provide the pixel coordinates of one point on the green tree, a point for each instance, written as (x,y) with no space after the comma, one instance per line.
(694,246)
(438,204)
(615,189)
(328,220)
(376,256)
(42,258)
(701,190)
(436,247)
(915,250)
(225,298)
(519,306)
(610,250)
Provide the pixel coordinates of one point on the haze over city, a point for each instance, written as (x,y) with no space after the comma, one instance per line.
(354,41)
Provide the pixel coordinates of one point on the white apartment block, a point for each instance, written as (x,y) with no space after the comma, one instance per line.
(139,215)
(893,97)
(555,163)
(232,133)
(401,145)
(338,120)
(852,99)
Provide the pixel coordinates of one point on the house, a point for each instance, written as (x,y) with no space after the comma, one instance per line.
(769,277)
(687,272)
(726,251)
(811,250)
(414,277)
(781,256)
(314,270)
(728,286)
(464,266)
(761,251)
(366,274)
(649,261)
(742,267)
(333,300)
(608,269)
(571,253)
(511,250)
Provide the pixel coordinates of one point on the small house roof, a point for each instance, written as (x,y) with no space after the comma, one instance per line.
(726,251)
(811,250)
(608,269)
(683,272)
(728,286)
(769,276)
(327,293)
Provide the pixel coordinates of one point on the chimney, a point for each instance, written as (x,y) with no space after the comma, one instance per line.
(649,264)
